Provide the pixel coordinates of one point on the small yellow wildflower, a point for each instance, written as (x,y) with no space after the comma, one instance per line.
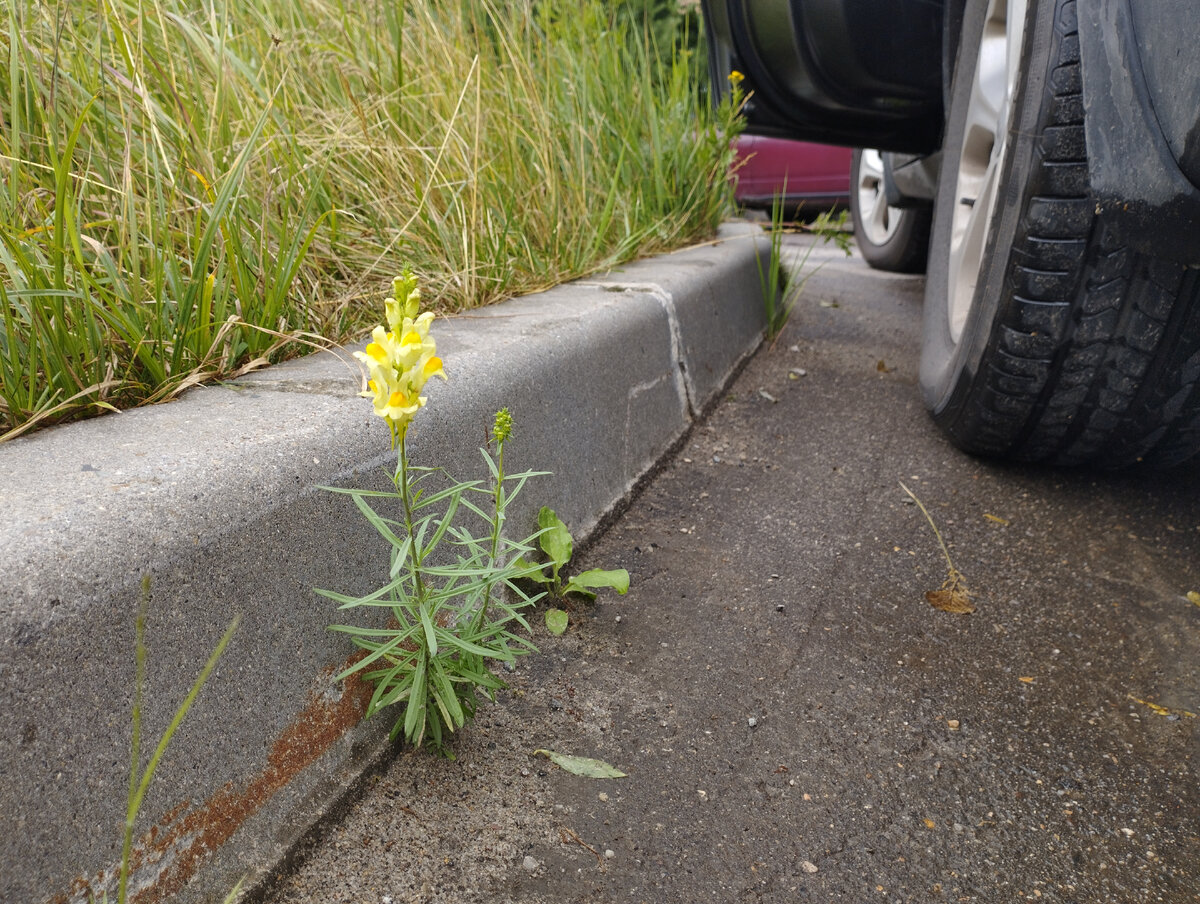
(402,358)
(736,78)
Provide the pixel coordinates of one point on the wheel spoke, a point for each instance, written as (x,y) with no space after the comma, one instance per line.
(878,220)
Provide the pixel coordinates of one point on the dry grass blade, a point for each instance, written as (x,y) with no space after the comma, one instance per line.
(567,836)
(953,596)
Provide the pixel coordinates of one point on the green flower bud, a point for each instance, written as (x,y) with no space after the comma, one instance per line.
(405,301)
(502,429)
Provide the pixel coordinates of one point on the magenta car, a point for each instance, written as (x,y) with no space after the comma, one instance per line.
(817,175)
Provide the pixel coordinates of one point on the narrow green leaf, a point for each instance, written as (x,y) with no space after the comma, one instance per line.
(450,639)
(556,621)
(447,698)
(430,633)
(457,490)
(582,765)
(414,715)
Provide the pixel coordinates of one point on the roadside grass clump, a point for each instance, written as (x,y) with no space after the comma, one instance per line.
(783,281)
(192,190)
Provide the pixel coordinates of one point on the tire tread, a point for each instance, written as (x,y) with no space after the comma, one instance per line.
(1095,355)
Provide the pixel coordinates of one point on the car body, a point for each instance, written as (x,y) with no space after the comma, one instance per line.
(1058,144)
(816,176)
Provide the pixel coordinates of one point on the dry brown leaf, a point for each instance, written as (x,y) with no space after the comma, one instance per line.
(1026,680)
(929,823)
(1193,597)
(950,599)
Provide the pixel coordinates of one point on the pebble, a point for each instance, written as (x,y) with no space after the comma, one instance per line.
(808,866)
(952,724)
(603,796)
(609,854)
(752,721)
(530,864)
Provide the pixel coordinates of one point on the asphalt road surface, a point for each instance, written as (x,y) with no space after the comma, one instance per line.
(797,721)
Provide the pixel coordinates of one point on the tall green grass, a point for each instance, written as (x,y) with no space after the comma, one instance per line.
(193,188)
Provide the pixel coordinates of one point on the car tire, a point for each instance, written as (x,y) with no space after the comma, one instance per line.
(1045,338)
(888,238)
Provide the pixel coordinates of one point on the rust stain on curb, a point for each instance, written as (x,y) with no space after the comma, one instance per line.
(185,837)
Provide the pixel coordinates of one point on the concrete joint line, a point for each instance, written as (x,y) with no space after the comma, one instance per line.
(683,380)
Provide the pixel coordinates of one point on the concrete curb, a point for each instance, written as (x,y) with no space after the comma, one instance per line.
(217,498)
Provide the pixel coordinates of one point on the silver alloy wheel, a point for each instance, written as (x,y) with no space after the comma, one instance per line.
(879,222)
(988,113)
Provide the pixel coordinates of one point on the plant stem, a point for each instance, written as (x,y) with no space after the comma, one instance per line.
(405,495)
(937,533)
(139,684)
(497,527)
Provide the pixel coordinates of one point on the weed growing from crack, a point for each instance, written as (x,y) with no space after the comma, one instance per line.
(781,287)
(140,778)
(451,592)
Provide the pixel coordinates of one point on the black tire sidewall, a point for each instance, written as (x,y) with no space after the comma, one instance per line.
(948,368)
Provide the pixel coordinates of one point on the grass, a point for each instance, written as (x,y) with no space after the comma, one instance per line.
(195,189)
(782,282)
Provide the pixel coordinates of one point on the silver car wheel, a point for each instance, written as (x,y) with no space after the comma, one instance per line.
(879,222)
(983,149)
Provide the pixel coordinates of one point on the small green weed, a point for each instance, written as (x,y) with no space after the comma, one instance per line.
(558,545)
(781,286)
(140,778)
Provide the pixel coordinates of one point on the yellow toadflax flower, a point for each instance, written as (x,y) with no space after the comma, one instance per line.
(402,358)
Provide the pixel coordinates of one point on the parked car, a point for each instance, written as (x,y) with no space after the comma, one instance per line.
(815,177)
(888,237)
(812,176)
(1056,142)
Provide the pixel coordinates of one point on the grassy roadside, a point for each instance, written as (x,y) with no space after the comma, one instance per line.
(191,190)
